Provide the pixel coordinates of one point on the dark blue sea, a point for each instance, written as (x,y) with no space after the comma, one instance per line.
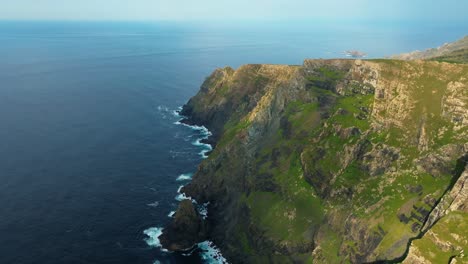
(91,155)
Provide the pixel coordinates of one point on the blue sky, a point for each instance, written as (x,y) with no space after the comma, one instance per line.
(440,10)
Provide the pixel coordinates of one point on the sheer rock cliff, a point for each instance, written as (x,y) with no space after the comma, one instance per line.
(332,161)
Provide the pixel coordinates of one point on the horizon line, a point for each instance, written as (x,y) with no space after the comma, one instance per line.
(244,20)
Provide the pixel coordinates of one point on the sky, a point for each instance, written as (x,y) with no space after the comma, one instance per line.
(180,10)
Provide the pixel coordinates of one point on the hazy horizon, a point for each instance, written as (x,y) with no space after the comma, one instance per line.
(210,10)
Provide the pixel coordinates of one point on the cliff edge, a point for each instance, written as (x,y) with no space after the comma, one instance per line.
(333,161)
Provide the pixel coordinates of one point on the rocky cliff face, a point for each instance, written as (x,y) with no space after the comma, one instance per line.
(334,161)
(443,236)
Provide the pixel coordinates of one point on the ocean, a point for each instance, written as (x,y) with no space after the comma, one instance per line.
(91,153)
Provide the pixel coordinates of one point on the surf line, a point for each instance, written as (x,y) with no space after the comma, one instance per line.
(208,251)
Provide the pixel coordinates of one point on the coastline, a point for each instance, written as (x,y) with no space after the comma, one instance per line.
(207,250)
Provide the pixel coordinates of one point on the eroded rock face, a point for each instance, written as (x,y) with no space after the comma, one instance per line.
(250,89)
(455,200)
(409,101)
(455,103)
(449,212)
(365,239)
(415,257)
(380,159)
(186,229)
(441,162)
(343,158)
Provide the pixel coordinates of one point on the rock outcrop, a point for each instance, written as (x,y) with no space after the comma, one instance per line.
(334,161)
(442,231)
(185,230)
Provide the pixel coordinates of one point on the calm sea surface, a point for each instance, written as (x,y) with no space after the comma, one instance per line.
(89,152)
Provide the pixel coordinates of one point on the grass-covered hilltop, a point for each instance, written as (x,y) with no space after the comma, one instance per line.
(334,161)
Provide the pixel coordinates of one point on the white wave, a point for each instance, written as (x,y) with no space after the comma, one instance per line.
(202,129)
(163,108)
(204,152)
(185,177)
(155,204)
(206,147)
(180,188)
(153,234)
(203,210)
(199,143)
(175,113)
(167,113)
(205,134)
(181,196)
(210,253)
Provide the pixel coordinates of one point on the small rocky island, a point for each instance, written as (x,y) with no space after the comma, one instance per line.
(355,54)
(333,161)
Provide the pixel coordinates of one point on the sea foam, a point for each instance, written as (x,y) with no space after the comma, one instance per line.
(153,234)
(208,250)
(210,253)
(182,196)
(203,209)
(205,134)
(155,204)
(185,177)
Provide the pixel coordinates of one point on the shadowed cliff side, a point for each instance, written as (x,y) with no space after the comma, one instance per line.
(186,229)
(333,161)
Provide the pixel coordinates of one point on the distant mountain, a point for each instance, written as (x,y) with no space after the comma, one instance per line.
(450,52)
(459,56)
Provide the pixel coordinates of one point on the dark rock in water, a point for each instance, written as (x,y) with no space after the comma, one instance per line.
(186,230)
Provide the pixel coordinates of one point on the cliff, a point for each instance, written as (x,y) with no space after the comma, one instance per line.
(334,161)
